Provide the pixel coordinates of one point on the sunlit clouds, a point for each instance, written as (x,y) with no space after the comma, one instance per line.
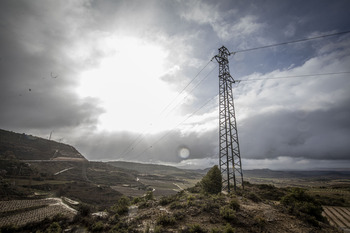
(133,80)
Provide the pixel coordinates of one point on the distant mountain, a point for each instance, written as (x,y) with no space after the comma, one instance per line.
(144,167)
(28,147)
(155,169)
(267,173)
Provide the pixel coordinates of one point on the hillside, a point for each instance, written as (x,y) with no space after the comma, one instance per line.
(28,147)
(135,197)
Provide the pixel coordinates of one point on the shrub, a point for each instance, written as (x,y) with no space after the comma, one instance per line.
(227,213)
(149,195)
(54,228)
(165,220)
(210,206)
(122,206)
(234,204)
(260,222)
(97,227)
(119,228)
(195,189)
(304,206)
(136,200)
(176,205)
(179,215)
(270,192)
(84,210)
(158,229)
(212,181)
(229,229)
(8,229)
(167,200)
(195,228)
(253,197)
(144,204)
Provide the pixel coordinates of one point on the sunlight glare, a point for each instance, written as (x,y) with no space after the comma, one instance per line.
(128,83)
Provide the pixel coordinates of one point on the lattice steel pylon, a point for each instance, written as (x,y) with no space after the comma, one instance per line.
(229,152)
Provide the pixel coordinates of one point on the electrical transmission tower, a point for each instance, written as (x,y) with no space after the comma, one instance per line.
(229,153)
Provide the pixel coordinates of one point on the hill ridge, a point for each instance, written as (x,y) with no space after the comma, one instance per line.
(28,147)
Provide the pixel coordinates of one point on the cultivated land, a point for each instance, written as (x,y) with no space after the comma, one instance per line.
(45,193)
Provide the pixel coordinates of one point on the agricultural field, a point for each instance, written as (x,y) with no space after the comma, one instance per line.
(21,212)
(338,216)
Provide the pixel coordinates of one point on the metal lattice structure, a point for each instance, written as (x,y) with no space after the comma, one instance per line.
(229,153)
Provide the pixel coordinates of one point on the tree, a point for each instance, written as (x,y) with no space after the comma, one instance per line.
(212,181)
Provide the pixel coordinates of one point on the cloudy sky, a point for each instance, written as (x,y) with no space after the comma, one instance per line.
(132,80)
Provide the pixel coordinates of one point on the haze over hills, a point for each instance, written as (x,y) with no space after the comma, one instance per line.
(28,147)
(150,195)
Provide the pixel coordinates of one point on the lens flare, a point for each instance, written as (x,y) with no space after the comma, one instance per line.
(184,152)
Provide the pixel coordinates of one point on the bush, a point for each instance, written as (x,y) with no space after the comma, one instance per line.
(179,215)
(195,189)
(122,206)
(270,192)
(227,213)
(54,228)
(176,205)
(119,228)
(165,220)
(195,228)
(260,222)
(253,197)
(304,206)
(136,200)
(149,195)
(229,229)
(144,204)
(212,181)
(97,227)
(234,204)
(84,210)
(8,229)
(167,200)
(158,229)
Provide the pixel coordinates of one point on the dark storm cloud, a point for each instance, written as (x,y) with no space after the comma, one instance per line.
(37,72)
(41,40)
(320,134)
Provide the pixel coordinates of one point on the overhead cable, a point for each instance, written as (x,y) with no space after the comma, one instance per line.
(169,131)
(296,76)
(290,42)
(139,138)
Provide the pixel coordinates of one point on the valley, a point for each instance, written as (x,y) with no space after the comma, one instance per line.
(78,195)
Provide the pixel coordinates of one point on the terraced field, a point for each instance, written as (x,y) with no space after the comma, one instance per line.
(338,216)
(21,212)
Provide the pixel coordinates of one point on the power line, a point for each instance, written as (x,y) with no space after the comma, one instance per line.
(290,42)
(296,76)
(205,77)
(169,131)
(195,77)
(139,138)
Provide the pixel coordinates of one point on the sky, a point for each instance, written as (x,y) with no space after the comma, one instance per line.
(135,81)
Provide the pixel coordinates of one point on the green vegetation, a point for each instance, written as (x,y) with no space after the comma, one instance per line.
(121,207)
(165,220)
(304,206)
(212,181)
(202,208)
(227,213)
(54,228)
(195,228)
